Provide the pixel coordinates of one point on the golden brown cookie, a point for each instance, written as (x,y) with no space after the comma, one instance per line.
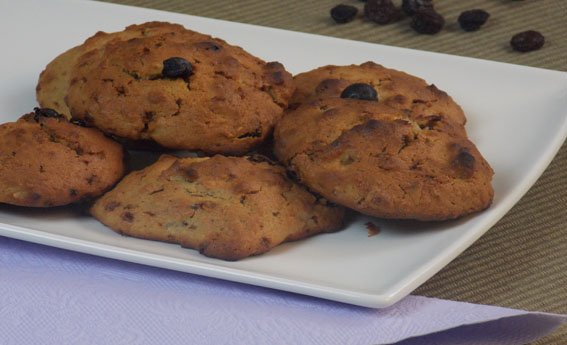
(159,81)
(47,161)
(410,94)
(225,207)
(372,158)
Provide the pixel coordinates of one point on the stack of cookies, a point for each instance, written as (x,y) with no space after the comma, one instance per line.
(361,137)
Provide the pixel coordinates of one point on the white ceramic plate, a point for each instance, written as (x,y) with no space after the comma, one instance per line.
(517,117)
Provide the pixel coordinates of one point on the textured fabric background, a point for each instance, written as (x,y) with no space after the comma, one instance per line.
(522,261)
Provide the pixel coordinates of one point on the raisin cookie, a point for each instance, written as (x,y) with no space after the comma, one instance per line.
(372,158)
(161,82)
(418,100)
(47,161)
(225,207)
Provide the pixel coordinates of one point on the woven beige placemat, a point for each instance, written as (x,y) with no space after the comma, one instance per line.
(522,261)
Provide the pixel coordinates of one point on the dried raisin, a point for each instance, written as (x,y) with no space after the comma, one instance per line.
(381,11)
(343,13)
(427,22)
(176,67)
(472,20)
(360,91)
(45,112)
(527,41)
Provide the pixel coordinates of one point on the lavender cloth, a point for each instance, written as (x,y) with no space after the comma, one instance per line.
(54,296)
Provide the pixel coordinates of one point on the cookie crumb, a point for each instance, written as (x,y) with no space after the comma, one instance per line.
(373,229)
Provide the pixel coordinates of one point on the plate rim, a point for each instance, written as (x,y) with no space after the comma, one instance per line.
(391,295)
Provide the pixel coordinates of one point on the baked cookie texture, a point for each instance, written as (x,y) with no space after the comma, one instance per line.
(47,161)
(377,160)
(225,207)
(228,102)
(407,93)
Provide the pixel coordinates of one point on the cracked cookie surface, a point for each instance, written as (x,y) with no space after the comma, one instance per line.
(224,207)
(376,160)
(47,161)
(407,93)
(229,103)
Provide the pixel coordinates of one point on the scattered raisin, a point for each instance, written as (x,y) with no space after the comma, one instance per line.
(360,91)
(410,7)
(472,20)
(44,112)
(343,13)
(176,67)
(427,22)
(381,11)
(527,41)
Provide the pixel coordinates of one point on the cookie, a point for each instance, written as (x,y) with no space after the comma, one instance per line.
(374,159)
(161,82)
(402,91)
(224,207)
(47,161)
